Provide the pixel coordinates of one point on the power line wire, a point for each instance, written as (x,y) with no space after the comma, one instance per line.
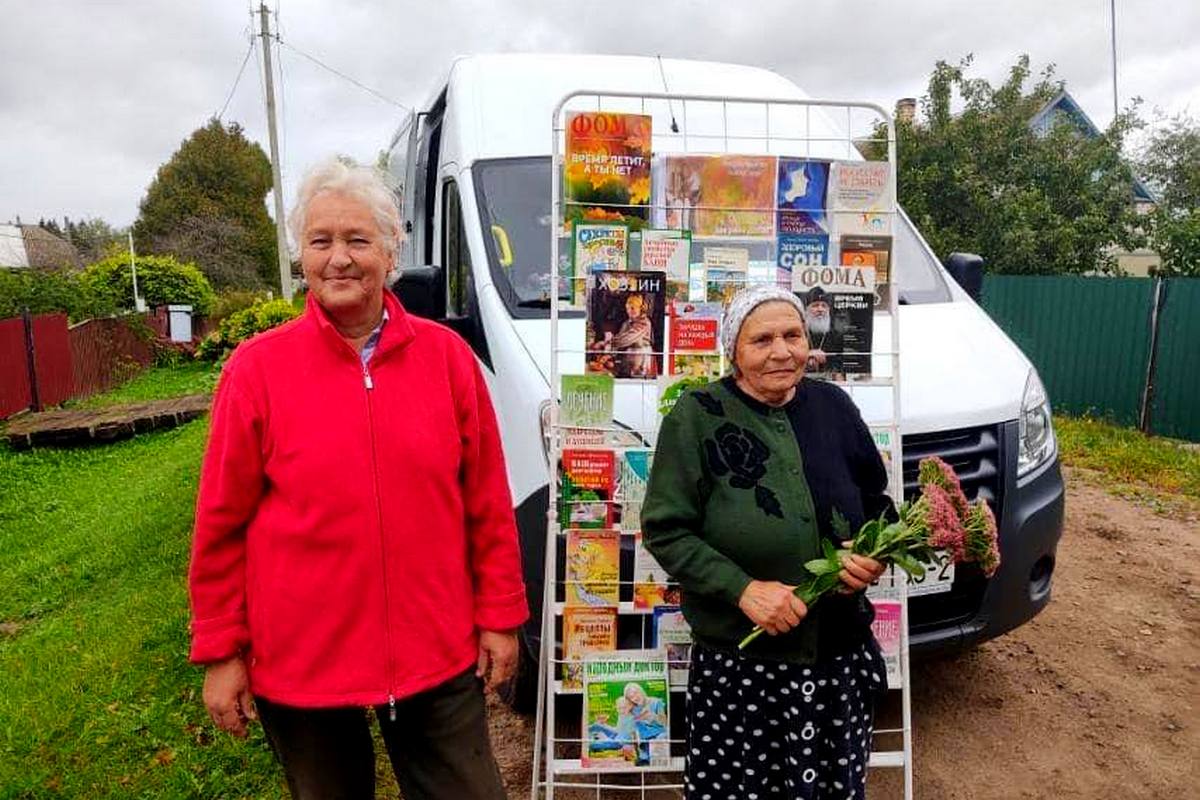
(343,75)
(238,79)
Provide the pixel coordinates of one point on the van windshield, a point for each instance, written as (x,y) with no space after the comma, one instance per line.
(514,201)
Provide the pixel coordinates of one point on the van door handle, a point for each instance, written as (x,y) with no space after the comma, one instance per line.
(501,237)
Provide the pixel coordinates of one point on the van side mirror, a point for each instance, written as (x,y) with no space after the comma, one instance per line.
(422,291)
(967,271)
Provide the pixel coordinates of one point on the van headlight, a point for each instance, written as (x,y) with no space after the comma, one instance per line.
(1036,436)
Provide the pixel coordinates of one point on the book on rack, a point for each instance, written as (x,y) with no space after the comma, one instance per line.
(861,186)
(626,710)
(596,248)
(593,567)
(633,473)
(667,250)
(726,270)
(587,480)
(839,315)
(719,195)
(870,251)
(886,628)
(693,370)
(673,635)
(586,630)
(883,443)
(625,315)
(586,410)
(650,581)
(801,196)
(606,168)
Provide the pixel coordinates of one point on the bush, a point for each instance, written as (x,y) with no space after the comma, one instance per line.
(45,291)
(241,325)
(231,300)
(161,280)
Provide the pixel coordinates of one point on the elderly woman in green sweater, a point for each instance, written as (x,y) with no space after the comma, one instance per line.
(749,472)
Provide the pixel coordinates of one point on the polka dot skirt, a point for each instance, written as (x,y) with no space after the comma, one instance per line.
(764,729)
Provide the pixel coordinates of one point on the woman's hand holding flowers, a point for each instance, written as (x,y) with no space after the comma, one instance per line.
(858,571)
(772,606)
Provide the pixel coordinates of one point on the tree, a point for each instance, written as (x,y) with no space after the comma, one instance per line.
(216,174)
(94,238)
(215,245)
(1170,161)
(984,181)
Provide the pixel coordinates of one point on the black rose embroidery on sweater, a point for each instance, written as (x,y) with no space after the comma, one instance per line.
(740,454)
(709,403)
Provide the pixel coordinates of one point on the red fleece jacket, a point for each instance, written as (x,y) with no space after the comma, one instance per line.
(354,528)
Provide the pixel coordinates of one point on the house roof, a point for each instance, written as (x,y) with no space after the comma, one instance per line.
(30,246)
(1063,105)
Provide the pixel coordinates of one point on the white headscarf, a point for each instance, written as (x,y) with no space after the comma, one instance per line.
(745,302)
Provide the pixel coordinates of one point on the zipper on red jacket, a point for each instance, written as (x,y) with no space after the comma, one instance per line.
(387,606)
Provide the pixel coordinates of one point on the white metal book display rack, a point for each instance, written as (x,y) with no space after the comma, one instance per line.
(689,125)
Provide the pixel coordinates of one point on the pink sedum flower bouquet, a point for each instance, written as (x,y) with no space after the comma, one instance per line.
(939,519)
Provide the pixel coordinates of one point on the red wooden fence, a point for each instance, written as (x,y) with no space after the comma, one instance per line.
(79,361)
(14,371)
(104,353)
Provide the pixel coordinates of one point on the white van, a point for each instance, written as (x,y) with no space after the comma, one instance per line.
(475,176)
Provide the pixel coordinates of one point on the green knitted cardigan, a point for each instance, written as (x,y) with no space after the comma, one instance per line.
(726,503)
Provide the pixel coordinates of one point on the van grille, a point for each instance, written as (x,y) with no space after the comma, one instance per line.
(977,457)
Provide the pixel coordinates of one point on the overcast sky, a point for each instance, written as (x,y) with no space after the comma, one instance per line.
(96,95)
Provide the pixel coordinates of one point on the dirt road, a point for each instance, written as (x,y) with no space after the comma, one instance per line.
(1099,697)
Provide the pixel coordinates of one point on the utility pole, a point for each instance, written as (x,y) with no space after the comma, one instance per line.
(1112,12)
(285,264)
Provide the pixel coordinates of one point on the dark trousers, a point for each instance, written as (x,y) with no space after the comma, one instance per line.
(438,746)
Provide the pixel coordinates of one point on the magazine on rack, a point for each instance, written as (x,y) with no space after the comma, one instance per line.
(587,480)
(839,315)
(870,251)
(596,248)
(801,196)
(606,169)
(586,411)
(861,186)
(632,475)
(673,635)
(626,710)
(650,584)
(593,567)
(586,630)
(886,628)
(719,195)
(625,315)
(726,271)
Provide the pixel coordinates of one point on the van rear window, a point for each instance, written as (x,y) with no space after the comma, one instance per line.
(513,195)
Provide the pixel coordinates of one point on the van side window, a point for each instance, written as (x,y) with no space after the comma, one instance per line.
(456,256)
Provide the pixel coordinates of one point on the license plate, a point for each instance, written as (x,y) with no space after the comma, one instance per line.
(938,577)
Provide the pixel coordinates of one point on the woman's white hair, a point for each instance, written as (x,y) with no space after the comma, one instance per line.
(343,176)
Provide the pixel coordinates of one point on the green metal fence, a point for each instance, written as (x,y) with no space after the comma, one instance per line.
(1092,341)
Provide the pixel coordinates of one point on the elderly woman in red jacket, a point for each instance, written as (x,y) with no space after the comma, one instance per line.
(355,545)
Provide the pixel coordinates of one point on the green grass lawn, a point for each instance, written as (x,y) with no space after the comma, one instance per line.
(96,696)
(191,377)
(1128,457)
